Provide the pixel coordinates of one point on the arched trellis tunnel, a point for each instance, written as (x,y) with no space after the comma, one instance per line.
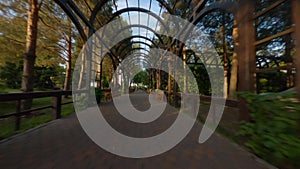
(256,44)
(248,65)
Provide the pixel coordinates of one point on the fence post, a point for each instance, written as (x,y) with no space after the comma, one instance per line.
(56,103)
(17,117)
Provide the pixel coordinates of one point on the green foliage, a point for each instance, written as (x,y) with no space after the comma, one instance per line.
(202,78)
(271,82)
(44,77)
(98,94)
(142,77)
(105,82)
(274,132)
(11,73)
(13,32)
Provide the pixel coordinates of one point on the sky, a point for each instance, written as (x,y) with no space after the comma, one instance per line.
(140,17)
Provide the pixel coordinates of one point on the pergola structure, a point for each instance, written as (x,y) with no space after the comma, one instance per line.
(246,58)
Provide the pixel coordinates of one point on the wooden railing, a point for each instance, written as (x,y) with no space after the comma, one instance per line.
(18,97)
(228,102)
(240,104)
(57,103)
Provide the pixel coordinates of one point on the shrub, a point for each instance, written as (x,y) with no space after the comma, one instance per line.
(273,133)
(98,94)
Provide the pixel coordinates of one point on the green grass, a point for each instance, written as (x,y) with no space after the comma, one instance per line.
(4,89)
(7,126)
(7,90)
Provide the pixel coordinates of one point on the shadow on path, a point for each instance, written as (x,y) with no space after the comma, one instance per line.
(63,144)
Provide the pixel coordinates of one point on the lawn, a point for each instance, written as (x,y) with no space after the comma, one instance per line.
(7,126)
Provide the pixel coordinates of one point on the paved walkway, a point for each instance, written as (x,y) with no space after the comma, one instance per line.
(63,144)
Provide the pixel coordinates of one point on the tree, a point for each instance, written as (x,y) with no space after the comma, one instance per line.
(69,60)
(13,32)
(52,34)
(142,77)
(45,77)
(9,70)
(30,55)
(234,63)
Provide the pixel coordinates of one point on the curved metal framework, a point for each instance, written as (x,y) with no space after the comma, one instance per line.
(242,10)
(141,26)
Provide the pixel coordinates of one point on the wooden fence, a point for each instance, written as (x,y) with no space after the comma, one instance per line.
(57,103)
(18,97)
(240,104)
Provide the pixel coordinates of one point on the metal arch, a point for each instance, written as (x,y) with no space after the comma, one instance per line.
(96,9)
(69,10)
(135,9)
(114,57)
(140,26)
(100,4)
(228,6)
(79,13)
(135,36)
(128,45)
(117,13)
(141,42)
(138,48)
(199,6)
(144,59)
(147,44)
(113,60)
(114,63)
(162,60)
(133,49)
(166,5)
(133,62)
(143,37)
(125,54)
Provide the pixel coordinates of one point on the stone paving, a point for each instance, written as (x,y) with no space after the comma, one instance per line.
(63,144)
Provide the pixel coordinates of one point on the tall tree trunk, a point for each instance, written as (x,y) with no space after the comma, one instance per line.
(158,79)
(98,76)
(175,86)
(69,62)
(246,48)
(225,90)
(234,63)
(30,55)
(170,78)
(82,70)
(289,61)
(151,78)
(84,63)
(185,85)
